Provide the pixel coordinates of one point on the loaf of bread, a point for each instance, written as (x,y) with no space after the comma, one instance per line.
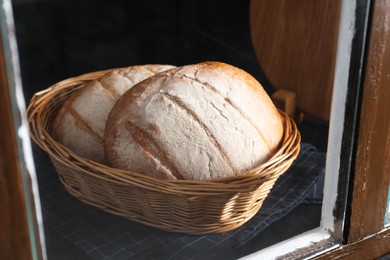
(196,122)
(81,120)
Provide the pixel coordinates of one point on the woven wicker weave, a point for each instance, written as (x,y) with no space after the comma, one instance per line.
(196,207)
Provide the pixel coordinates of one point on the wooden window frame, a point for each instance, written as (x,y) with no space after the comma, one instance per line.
(360,208)
(21,230)
(366,235)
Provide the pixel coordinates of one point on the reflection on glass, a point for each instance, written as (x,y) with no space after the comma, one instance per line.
(387,213)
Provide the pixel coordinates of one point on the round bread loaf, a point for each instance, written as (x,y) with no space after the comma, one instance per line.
(80,122)
(204,121)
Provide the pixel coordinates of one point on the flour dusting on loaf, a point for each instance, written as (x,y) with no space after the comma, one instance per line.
(203,121)
(80,122)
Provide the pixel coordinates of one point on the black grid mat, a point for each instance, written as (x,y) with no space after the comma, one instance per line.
(104,236)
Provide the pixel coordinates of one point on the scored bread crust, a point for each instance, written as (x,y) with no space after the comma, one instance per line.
(203,121)
(80,122)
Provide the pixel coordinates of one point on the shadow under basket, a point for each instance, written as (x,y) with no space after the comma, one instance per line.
(195,207)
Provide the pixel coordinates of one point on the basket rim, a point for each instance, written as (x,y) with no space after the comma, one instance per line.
(283,157)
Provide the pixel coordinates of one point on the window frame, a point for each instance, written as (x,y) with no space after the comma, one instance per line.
(338,235)
(22,235)
(361,220)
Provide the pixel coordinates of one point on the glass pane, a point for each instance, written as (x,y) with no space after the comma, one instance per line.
(62,39)
(387,214)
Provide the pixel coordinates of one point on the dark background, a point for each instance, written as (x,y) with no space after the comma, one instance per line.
(60,39)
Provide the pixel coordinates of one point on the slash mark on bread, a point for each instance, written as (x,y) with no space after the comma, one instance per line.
(84,125)
(229,101)
(110,90)
(180,104)
(152,149)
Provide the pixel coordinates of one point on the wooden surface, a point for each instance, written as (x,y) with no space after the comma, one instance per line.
(295,42)
(14,232)
(372,170)
(371,247)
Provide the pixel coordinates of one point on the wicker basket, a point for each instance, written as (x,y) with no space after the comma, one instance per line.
(196,207)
